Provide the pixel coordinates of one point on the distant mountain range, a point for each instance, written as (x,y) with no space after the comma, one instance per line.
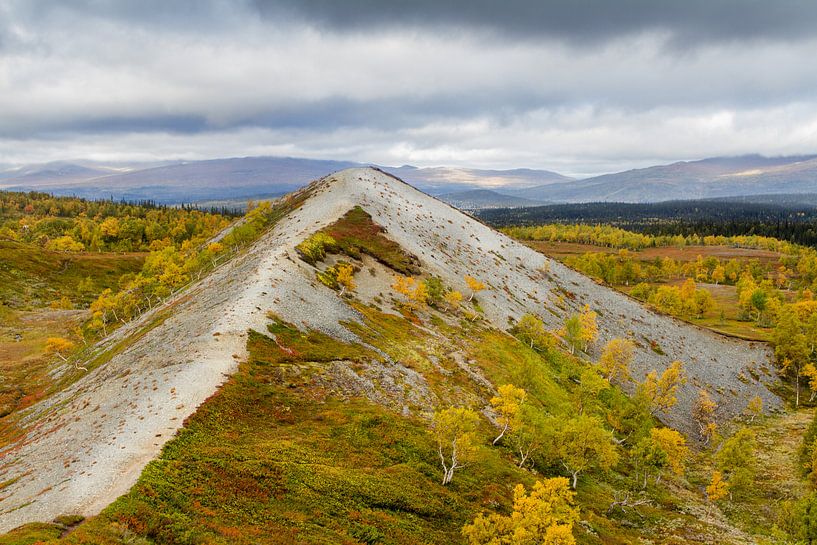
(179,182)
(239,179)
(242,178)
(716,177)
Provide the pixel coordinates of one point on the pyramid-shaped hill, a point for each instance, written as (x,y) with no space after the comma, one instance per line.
(88,444)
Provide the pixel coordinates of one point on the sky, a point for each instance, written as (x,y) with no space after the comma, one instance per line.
(581,87)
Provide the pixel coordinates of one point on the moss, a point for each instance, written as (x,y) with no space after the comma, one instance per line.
(289,344)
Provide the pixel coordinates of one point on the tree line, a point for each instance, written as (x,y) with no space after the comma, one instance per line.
(793,222)
(70,224)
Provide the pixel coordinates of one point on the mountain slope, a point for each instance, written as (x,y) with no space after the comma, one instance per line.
(87,445)
(716,177)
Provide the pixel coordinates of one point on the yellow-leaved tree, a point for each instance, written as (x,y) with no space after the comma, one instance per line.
(453,299)
(455,431)
(810,372)
(660,392)
(474,285)
(60,346)
(719,274)
(507,406)
(213,252)
(703,412)
(531,330)
(345,277)
(414,292)
(718,488)
(572,334)
(616,358)
(544,517)
(754,408)
(590,329)
(674,445)
(791,347)
(664,448)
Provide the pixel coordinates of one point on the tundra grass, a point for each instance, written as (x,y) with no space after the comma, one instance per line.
(276,457)
(31,277)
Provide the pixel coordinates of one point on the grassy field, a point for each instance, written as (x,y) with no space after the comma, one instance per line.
(32,280)
(31,277)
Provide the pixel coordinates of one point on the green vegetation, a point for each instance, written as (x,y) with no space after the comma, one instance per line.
(260,463)
(437,428)
(355,234)
(286,452)
(31,277)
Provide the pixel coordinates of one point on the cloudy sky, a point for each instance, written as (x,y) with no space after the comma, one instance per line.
(577,86)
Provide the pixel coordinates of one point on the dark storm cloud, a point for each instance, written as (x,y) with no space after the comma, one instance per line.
(688,21)
(577,21)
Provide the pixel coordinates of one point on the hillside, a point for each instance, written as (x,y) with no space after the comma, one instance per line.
(306,355)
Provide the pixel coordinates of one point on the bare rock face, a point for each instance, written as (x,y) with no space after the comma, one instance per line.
(88,444)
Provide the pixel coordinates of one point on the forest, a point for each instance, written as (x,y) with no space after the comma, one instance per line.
(781,219)
(74,225)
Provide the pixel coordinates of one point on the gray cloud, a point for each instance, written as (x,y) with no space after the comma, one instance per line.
(581,86)
(689,21)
